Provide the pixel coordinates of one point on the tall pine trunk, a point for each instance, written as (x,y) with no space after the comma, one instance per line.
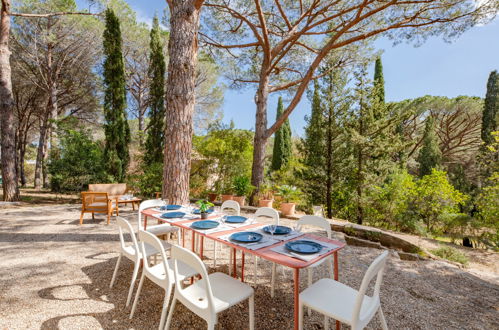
(180,98)
(8,147)
(40,151)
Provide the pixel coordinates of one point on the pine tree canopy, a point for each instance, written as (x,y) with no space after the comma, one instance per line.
(155,134)
(490,119)
(282,143)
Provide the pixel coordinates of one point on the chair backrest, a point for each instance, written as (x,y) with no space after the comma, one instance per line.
(89,197)
(203,303)
(315,221)
(125,227)
(148,204)
(112,189)
(268,212)
(146,237)
(375,270)
(232,205)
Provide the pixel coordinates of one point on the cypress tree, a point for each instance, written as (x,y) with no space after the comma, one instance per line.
(379,81)
(491,108)
(282,143)
(155,133)
(430,155)
(116,128)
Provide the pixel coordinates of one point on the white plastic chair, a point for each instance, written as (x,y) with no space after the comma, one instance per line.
(236,210)
(161,273)
(132,252)
(318,222)
(270,213)
(347,305)
(158,230)
(211,294)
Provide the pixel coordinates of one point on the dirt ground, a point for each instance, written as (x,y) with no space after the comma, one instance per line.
(55,274)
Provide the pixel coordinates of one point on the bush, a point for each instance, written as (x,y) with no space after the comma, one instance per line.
(76,163)
(451,254)
(242,185)
(149,181)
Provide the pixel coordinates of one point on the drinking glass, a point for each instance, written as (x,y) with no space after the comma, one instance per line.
(272,229)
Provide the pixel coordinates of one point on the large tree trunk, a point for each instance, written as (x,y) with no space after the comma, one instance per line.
(8,148)
(261,138)
(180,98)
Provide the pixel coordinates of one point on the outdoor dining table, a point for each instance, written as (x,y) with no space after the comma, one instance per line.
(265,252)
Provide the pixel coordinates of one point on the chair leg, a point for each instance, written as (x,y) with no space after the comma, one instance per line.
(272,280)
(331,267)
(108,218)
(81,218)
(255,274)
(117,210)
(251,303)
(382,319)
(115,271)
(214,254)
(300,316)
(211,325)
(170,314)
(136,300)
(309,279)
(168,292)
(132,283)
(93,216)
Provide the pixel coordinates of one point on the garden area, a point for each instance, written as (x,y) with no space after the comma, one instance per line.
(269,142)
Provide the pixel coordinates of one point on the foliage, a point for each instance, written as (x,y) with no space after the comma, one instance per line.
(430,156)
(147,182)
(379,81)
(76,163)
(452,254)
(490,121)
(204,205)
(155,133)
(282,142)
(488,207)
(116,155)
(289,194)
(242,185)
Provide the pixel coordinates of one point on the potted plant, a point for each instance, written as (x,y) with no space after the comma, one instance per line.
(226,190)
(204,206)
(212,196)
(242,187)
(289,195)
(266,195)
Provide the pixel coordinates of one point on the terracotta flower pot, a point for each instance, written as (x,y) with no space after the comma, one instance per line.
(240,200)
(227,198)
(212,197)
(288,208)
(265,202)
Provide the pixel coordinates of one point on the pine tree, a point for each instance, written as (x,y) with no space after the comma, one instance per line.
(116,127)
(155,133)
(491,108)
(282,143)
(430,156)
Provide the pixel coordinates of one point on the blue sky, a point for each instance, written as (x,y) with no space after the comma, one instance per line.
(435,68)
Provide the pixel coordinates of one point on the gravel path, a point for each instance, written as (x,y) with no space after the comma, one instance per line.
(55,274)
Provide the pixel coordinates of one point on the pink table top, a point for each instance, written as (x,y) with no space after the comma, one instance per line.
(266,252)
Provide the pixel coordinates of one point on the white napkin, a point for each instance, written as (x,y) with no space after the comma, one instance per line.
(252,246)
(306,257)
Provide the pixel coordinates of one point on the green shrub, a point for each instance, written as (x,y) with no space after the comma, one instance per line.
(149,181)
(452,254)
(242,185)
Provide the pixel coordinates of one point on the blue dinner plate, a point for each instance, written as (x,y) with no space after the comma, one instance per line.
(303,246)
(235,219)
(170,207)
(172,215)
(280,230)
(198,211)
(204,224)
(246,237)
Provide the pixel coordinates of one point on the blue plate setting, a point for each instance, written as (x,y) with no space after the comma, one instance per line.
(170,207)
(246,237)
(303,246)
(172,215)
(198,211)
(279,230)
(204,224)
(235,219)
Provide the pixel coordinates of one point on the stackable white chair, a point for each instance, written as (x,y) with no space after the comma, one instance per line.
(318,222)
(211,294)
(158,230)
(270,213)
(347,305)
(234,209)
(160,273)
(132,252)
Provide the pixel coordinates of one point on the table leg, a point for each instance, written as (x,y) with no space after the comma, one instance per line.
(234,268)
(183,237)
(201,241)
(145,222)
(133,206)
(335,256)
(296,297)
(193,247)
(242,266)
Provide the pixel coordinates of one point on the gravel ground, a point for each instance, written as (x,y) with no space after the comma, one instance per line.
(55,274)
